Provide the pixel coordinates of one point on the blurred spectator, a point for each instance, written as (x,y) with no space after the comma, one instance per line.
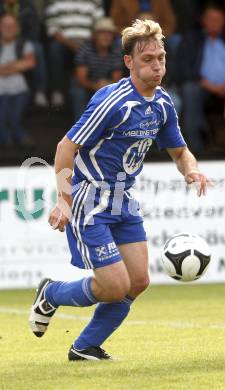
(107,6)
(16,57)
(187,14)
(201,72)
(24,12)
(124,12)
(27,17)
(69,23)
(40,7)
(98,63)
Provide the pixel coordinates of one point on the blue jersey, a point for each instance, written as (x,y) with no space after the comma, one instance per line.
(116,131)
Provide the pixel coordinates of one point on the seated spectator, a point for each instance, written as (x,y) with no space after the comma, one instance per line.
(124,12)
(201,72)
(69,23)
(27,17)
(16,57)
(98,63)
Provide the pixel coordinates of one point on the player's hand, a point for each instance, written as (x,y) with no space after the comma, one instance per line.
(202,182)
(59,216)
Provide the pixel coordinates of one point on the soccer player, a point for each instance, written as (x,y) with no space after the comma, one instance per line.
(105,228)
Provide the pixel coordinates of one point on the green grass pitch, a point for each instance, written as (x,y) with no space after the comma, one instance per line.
(174,338)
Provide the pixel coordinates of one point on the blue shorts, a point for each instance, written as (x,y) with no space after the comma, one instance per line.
(95,245)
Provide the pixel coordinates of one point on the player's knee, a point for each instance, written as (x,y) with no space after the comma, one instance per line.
(119,290)
(140,284)
(119,295)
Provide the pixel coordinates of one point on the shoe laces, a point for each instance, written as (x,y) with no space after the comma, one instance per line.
(103,353)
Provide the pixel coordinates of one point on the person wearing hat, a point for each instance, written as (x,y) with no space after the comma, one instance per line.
(98,63)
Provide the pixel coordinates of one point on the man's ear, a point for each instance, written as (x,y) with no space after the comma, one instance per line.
(128,61)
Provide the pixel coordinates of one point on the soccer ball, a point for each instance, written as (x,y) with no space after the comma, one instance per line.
(186,257)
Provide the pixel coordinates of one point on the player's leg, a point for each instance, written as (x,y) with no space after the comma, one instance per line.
(135,257)
(98,251)
(110,283)
(109,316)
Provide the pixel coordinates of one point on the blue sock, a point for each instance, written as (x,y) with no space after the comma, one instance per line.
(107,318)
(76,293)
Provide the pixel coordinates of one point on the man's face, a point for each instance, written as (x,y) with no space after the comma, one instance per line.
(8,28)
(147,62)
(213,22)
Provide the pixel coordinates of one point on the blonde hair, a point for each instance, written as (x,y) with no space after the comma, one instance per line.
(140,31)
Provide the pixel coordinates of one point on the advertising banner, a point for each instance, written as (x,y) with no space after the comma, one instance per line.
(30,249)
(170,206)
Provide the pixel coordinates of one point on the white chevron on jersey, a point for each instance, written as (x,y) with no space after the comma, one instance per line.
(129,104)
(161,101)
(93,159)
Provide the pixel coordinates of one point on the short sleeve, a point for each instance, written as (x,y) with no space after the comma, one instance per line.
(170,135)
(95,120)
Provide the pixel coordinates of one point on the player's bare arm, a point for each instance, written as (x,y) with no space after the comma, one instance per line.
(188,166)
(64,160)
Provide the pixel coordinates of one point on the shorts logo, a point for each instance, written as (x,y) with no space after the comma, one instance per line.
(106,251)
(101,250)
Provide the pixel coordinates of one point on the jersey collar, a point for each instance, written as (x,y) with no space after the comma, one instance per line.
(140,96)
